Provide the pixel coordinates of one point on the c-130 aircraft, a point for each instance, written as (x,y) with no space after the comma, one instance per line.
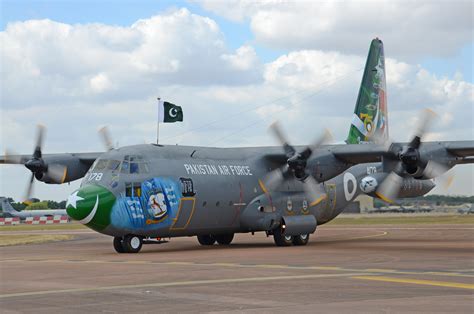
(142,192)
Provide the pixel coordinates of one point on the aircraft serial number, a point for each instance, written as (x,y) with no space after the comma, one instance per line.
(97,176)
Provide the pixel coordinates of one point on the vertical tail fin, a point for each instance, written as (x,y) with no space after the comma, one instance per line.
(6,206)
(370,119)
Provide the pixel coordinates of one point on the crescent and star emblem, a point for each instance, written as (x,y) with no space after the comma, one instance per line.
(91,215)
(173,112)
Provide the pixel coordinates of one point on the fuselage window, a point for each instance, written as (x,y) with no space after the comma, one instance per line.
(128,190)
(137,189)
(133,189)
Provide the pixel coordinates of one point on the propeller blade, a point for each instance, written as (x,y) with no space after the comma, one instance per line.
(440,173)
(276,177)
(325,137)
(314,191)
(29,189)
(434,169)
(277,131)
(39,141)
(424,121)
(389,188)
(57,172)
(106,138)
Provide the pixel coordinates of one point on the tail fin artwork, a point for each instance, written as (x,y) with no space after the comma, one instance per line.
(6,206)
(370,120)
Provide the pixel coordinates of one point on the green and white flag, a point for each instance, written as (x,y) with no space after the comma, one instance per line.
(168,112)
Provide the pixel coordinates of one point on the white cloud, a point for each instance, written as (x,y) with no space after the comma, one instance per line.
(59,61)
(410,28)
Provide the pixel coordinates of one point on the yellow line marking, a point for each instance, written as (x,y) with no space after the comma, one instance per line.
(417,282)
(326,268)
(179,283)
(379,270)
(358,238)
(275,266)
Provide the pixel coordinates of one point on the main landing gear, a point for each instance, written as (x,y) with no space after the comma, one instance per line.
(210,239)
(287,240)
(128,244)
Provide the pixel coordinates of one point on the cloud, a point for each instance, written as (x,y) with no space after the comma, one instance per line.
(54,60)
(411,28)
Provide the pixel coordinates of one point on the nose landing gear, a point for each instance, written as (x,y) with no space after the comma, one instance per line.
(128,244)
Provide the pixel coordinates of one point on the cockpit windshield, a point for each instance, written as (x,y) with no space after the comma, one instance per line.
(131,164)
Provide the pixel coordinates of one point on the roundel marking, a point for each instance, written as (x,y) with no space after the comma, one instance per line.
(349,177)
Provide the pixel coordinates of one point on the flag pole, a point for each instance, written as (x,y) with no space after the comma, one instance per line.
(158,123)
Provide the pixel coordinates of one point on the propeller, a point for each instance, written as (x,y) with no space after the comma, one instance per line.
(36,164)
(410,162)
(106,138)
(296,163)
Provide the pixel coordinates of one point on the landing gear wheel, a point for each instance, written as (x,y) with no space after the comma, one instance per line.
(206,239)
(224,239)
(118,245)
(132,244)
(301,239)
(280,239)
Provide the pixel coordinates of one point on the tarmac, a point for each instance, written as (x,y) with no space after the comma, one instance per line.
(344,269)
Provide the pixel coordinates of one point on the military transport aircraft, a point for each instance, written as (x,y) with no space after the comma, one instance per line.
(142,192)
(9,211)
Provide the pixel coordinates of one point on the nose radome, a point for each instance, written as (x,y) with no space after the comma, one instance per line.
(91,205)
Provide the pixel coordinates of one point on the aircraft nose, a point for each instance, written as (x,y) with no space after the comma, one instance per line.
(91,205)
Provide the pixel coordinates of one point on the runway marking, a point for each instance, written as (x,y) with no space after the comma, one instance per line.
(267,266)
(180,283)
(418,282)
(356,238)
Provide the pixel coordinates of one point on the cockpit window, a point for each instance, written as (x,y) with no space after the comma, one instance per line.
(134,164)
(113,164)
(133,167)
(101,164)
(125,167)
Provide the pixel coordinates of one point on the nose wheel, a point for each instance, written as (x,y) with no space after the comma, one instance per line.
(128,244)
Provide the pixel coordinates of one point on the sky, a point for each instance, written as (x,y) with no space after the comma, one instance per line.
(234,66)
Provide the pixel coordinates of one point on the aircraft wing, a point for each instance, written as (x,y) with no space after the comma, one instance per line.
(460,148)
(72,166)
(360,153)
(86,158)
(459,152)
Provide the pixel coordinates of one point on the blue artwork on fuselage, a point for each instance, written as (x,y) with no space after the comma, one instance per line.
(155,206)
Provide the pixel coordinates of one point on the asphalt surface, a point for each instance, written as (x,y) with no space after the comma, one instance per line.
(344,269)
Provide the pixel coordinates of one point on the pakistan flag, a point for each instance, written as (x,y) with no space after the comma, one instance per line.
(169,112)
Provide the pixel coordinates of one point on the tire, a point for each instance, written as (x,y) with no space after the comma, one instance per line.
(224,239)
(132,244)
(280,239)
(206,239)
(301,239)
(118,245)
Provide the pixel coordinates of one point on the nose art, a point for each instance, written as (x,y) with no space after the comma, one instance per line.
(91,205)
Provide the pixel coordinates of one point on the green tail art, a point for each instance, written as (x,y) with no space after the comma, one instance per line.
(370,120)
